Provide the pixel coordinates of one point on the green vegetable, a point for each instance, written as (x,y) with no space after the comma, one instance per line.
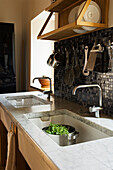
(57,129)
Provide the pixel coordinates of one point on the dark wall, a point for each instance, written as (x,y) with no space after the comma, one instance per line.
(7,58)
(101,75)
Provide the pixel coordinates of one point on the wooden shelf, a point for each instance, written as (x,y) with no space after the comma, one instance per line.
(67,31)
(60,5)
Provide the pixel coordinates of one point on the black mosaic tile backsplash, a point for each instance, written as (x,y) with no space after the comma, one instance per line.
(100,75)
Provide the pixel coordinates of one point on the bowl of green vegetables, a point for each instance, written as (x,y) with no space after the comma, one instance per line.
(63,135)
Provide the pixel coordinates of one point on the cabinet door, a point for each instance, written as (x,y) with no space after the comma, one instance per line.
(3,146)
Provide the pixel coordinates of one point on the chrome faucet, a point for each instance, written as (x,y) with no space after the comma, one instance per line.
(92,109)
(45,92)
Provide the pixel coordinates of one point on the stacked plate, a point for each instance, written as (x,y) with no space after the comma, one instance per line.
(92,14)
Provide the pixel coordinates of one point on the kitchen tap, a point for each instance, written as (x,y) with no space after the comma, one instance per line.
(92,109)
(45,92)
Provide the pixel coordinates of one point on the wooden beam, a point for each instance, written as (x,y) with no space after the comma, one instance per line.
(91,24)
(54,5)
(106,12)
(45,24)
(76,35)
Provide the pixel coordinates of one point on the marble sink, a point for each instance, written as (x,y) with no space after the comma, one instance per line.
(86,128)
(26,101)
(104,122)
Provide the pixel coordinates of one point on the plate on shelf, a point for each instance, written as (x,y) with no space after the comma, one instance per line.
(73,15)
(92,14)
(79,31)
(72,18)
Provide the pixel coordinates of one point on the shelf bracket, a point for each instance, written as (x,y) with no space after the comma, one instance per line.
(45,24)
(83,11)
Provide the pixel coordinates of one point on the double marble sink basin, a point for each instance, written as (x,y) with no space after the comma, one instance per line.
(88,129)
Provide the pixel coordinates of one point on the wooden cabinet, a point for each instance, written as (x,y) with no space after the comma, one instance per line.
(33,154)
(65,30)
(3,146)
(20,161)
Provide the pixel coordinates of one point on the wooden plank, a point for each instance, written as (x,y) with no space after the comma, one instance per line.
(62,31)
(53,5)
(59,5)
(45,24)
(76,35)
(106,12)
(91,24)
(67,30)
(59,38)
(83,11)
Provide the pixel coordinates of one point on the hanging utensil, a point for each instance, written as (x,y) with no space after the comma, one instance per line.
(55,59)
(71,75)
(67,68)
(50,59)
(85,73)
(107,44)
(59,57)
(77,70)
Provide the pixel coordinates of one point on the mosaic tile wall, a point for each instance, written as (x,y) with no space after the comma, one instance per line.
(100,75)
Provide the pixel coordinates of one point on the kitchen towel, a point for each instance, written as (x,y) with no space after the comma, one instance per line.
(11,155)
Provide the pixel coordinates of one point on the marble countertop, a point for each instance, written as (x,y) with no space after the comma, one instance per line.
(93,155)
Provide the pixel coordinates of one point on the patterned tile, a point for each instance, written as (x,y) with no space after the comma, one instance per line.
(100,75)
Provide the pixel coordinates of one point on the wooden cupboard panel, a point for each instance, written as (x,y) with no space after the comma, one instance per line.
(37,159)
(104,6)
(67,31)
(59,5)
(3,145)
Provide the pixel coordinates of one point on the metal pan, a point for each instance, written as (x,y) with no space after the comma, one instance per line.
(64,140)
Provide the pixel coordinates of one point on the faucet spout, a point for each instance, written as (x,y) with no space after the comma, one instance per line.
(90,85)
(91,109)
